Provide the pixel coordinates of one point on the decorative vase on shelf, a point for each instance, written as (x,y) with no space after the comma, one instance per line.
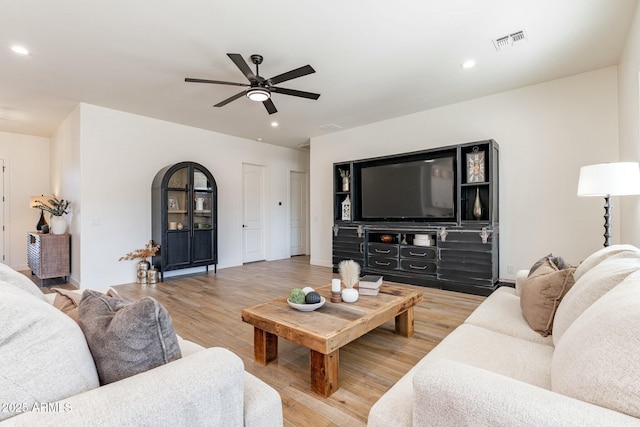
(350,295)
(58,224)
(345,183)
(477,206)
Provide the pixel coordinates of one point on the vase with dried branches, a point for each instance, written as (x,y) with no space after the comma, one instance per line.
(350,274)
(143,265)
(56,208)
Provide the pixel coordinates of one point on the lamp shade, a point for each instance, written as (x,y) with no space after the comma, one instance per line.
(39,200)
(609,179)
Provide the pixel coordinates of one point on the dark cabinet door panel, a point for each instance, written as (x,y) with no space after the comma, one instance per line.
(203,247)
(178,249)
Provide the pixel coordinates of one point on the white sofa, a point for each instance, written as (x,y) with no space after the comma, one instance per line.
(48,377)
(494,370)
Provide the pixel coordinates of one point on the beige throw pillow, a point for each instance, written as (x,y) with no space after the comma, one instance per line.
(67,301)
(597,358)
(542,293)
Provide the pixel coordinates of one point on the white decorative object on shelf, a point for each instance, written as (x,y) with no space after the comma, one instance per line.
(350,295)
(350,273)
(199,203)
(346,209)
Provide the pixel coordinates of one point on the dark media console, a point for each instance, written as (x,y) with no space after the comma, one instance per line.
(427,218)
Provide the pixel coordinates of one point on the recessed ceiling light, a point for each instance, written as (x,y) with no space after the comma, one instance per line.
(469,63)
(274,124)
(259,139)
(20,50)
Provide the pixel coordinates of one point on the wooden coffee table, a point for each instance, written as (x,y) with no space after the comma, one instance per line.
(328,328)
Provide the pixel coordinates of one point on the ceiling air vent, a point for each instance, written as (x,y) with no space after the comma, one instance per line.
(330,127)
(510,40)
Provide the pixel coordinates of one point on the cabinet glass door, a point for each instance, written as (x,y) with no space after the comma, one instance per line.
(177,201)
(177,210)
(200,180)
(202,201)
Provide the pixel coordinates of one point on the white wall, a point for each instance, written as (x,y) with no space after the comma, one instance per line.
(120,153)
(26,159)
(545,132)
(629,101)
(66,182)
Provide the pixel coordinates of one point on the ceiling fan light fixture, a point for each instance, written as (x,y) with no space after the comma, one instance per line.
(258,94)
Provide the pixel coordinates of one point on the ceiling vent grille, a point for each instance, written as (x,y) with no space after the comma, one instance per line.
(510,40)
(330,127)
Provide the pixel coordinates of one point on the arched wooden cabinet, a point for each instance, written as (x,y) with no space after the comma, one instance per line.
(184,217)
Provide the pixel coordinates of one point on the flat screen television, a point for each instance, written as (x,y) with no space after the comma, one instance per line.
(412,190)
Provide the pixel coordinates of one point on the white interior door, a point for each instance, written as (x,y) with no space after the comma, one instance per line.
(298,214)
(253,212)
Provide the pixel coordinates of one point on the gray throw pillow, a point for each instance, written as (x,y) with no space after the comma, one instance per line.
(558,261)
(126,338)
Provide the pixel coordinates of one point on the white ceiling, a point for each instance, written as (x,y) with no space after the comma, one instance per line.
(374,60)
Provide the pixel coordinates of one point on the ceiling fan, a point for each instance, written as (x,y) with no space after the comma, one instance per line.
(260,89)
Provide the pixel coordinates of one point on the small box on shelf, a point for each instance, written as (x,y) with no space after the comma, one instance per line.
(424,240)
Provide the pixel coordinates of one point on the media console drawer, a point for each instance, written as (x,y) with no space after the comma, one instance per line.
(421,252)
(382,262)
(416,265)
(383,249)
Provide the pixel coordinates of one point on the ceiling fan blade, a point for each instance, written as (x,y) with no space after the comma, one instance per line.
(228,100)
(268,104)
(242,65)
(217,82)
(294,92)
(293,74)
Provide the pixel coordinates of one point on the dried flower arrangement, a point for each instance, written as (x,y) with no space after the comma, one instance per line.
(344,173)
(349,272)
(148,251)
(54,206)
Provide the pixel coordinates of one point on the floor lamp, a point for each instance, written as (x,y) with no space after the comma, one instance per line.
(609,179)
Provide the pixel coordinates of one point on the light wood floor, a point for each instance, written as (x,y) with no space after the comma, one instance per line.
(205,308)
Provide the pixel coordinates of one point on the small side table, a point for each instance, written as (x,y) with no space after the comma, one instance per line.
(49,255)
